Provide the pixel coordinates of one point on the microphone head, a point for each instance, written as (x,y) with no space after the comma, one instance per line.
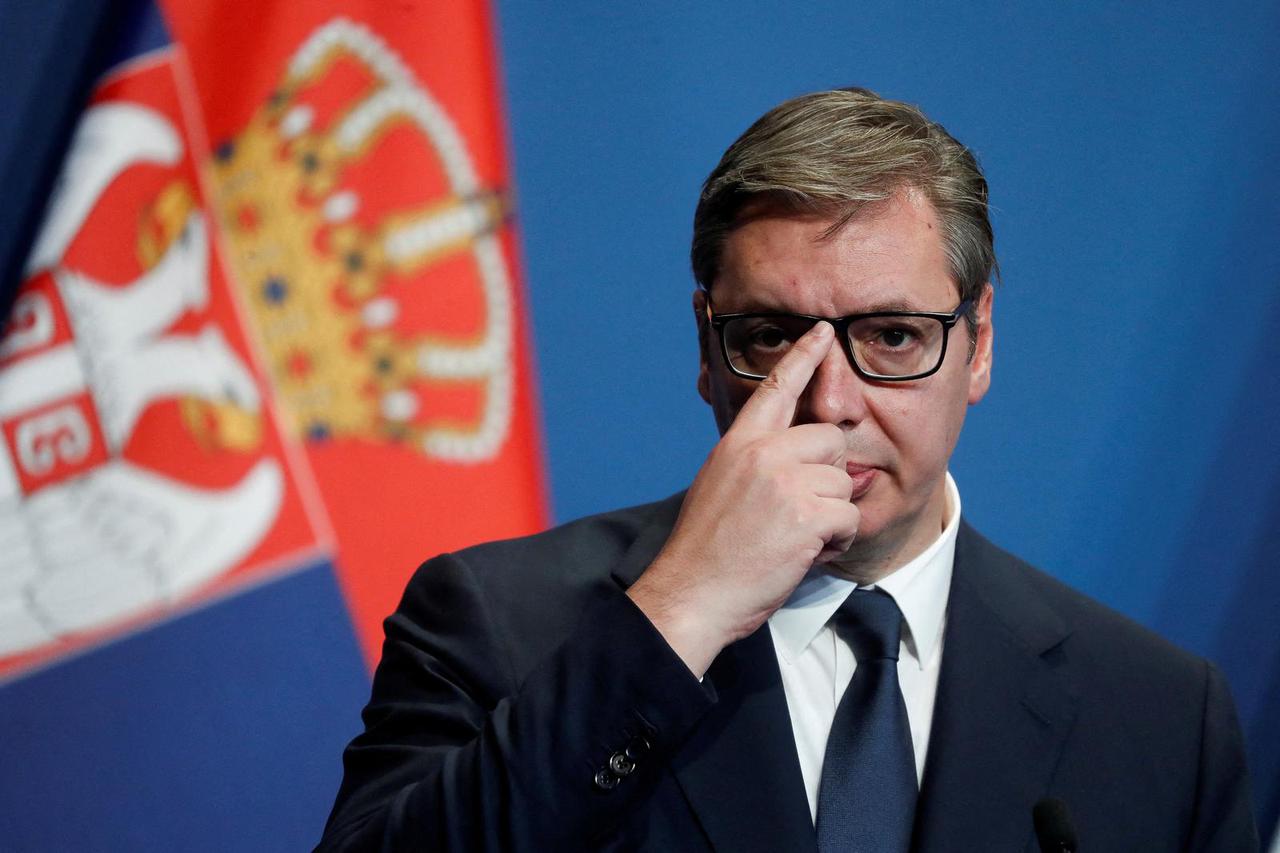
(1054,829)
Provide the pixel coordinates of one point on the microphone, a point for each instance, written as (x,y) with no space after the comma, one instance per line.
(1054,829)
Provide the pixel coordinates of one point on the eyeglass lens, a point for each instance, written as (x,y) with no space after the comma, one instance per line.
(883,346)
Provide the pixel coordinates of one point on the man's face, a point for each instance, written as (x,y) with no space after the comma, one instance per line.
(899,434)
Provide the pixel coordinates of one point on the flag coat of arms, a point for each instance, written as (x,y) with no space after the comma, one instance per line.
(270,324)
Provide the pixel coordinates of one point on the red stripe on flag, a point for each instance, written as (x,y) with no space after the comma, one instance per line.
(364,199)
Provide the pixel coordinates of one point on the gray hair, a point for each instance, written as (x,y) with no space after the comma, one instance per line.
(833,152)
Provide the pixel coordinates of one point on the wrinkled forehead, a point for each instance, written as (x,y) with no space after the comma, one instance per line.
(888,255)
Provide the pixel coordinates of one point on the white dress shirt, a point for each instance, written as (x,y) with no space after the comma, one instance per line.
(816,664)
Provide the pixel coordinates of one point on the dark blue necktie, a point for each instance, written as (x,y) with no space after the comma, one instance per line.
(867,800)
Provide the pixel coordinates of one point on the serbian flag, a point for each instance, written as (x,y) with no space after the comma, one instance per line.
(273,309)
(358,175)
(266,322)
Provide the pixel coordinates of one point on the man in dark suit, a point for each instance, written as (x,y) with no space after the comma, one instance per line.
(809,650)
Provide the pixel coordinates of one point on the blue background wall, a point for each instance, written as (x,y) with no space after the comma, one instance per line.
(1127,446)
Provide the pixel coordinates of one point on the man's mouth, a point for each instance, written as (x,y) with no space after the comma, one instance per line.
(863,477)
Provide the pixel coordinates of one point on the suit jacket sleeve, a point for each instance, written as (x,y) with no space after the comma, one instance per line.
(1223,819)
(461,751)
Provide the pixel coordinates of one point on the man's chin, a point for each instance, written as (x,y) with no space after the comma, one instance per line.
(863,560)
(876,550)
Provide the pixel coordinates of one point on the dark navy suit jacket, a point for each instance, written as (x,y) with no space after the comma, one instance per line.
(514,673)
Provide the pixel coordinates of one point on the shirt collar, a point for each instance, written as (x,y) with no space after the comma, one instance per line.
(920,589)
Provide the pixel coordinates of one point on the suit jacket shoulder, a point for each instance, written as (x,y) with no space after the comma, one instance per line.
(1041,609)
(542,585)
(1046,692)
(522,702)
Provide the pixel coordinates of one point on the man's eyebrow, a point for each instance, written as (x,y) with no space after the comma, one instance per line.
(890,305)
(869,308)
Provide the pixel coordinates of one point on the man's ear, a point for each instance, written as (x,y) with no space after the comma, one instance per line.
(980,363)
(704,340)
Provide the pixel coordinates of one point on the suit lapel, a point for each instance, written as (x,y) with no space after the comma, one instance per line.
(739,771)
(1005,704)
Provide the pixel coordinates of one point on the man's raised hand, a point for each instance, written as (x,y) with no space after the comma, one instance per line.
(770,501)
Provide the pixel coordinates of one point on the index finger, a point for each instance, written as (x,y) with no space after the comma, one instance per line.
(773,404)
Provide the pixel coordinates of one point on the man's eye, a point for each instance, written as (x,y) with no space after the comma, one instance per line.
(897,338)
(768,337)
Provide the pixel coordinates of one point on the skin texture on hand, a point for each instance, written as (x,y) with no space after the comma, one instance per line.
(770,501)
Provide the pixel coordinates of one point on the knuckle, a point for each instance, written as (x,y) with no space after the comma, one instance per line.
(774,383)
(801,518)
(758,454)
(834,436)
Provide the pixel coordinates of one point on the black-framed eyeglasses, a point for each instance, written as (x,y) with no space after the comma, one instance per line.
(885,346)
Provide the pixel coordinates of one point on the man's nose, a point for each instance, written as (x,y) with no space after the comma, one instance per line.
(836,394)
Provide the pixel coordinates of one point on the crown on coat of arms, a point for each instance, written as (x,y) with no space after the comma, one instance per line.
(328,286)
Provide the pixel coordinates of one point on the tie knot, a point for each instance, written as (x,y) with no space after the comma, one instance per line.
(870,622)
